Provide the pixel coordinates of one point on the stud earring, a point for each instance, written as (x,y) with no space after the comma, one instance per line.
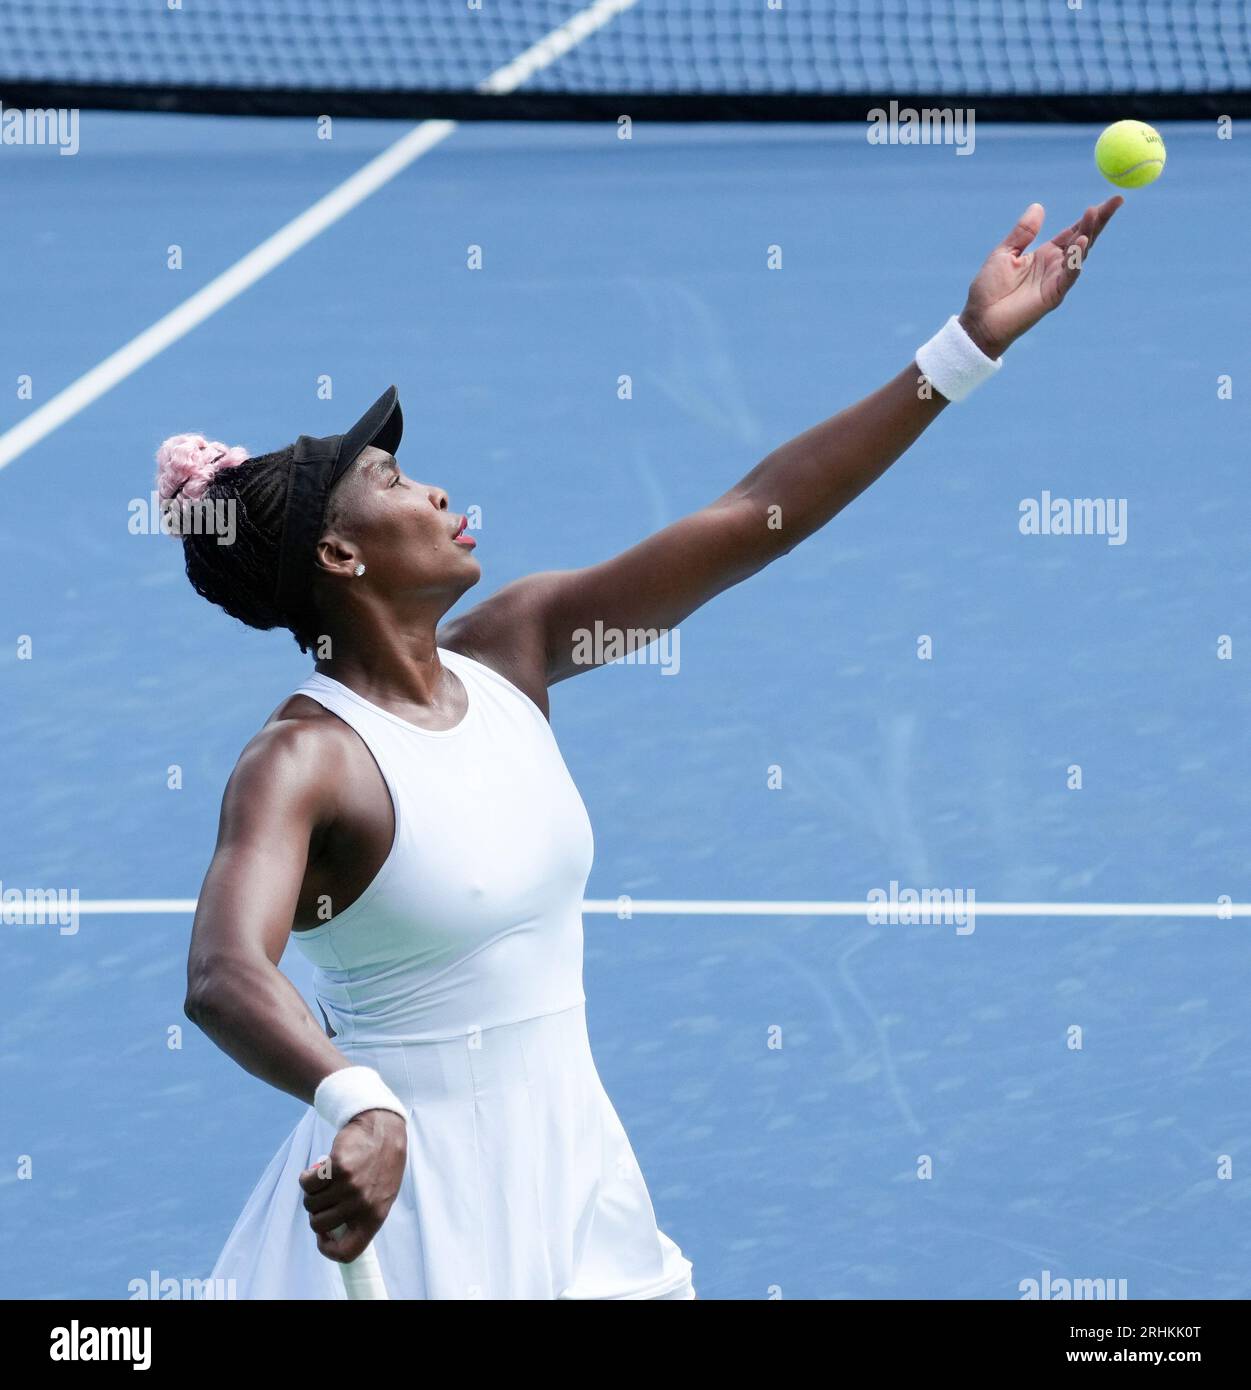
(359,570)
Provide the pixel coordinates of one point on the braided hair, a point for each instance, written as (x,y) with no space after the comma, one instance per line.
(240,577)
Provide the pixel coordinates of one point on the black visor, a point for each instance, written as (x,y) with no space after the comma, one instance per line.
(318,465)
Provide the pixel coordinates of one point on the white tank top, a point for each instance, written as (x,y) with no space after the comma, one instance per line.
(475,918)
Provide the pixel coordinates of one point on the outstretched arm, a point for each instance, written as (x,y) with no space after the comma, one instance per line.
(795,490)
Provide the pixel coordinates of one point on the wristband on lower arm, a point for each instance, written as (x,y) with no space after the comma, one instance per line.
(351,1091)
(953,363)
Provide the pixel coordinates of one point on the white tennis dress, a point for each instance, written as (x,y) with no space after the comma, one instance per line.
(458,975)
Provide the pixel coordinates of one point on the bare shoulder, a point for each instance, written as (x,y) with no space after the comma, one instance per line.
(506,632)
(295,760)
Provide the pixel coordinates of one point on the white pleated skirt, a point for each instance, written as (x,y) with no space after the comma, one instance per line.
(520,1182)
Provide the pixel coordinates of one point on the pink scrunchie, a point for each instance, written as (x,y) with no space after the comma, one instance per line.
(187,463)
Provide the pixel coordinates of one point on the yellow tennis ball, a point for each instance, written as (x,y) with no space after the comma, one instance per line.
(1130,154)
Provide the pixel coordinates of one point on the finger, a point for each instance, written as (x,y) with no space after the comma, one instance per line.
(1090,223)
(323,1201)
(1026,228)
(341,1214)
(1083,245)
(1082,227)
(1102,215)
(1062,239)
(341,1251)
(318,1177)
(344,1244)
(1066,274)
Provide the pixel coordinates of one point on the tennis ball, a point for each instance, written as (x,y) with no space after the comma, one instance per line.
(1130,154)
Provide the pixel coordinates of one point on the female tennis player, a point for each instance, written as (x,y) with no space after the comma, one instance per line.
(408,816)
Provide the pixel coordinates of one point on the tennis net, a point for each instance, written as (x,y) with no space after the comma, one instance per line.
(660,59)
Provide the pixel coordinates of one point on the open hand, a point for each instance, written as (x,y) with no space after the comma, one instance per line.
(1016,287)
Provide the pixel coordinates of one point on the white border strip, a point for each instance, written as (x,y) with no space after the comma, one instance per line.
(713,907)
(289,239)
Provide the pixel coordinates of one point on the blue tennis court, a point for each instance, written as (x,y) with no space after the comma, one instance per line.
(783,1078)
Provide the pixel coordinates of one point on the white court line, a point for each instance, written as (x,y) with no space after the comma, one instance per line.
(711,907)
(289,239)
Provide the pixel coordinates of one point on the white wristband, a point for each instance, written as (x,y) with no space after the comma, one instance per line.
(953,362)
(351,1091)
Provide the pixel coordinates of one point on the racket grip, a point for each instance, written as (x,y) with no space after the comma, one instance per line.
(362,1277)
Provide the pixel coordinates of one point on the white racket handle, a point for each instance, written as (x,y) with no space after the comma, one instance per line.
(362,1277)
